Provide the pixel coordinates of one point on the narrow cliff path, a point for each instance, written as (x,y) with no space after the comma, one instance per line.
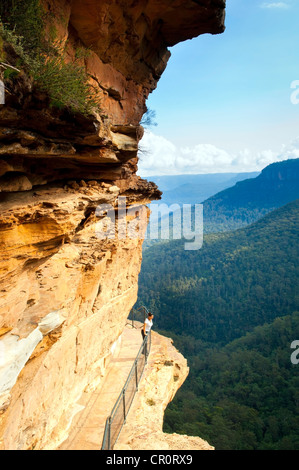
(87,428)
(164,374)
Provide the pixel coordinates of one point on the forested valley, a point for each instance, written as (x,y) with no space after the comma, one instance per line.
(232,310)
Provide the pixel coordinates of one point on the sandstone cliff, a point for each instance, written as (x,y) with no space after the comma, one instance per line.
(66,289)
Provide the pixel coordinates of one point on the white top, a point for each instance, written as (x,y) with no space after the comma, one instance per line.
(148,325)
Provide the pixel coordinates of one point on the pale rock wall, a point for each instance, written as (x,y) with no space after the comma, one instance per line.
(84,284)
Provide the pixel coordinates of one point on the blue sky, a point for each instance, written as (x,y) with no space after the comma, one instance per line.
(224,101)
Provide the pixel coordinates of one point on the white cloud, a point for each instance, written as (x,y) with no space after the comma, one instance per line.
(290,150)
(159,156)
(275,5)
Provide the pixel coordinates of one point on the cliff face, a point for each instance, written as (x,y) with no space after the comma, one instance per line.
(66,286)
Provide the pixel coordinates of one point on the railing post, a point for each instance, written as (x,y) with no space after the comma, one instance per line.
(109,433)
(136,374)
(124,404)
(146,346)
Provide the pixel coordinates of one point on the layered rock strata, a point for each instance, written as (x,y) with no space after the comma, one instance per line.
(67,280)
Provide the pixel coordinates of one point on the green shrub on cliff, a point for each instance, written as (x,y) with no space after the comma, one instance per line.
(26,19)
(42,57)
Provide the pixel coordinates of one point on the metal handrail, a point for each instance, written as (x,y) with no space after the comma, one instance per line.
(133,311)
(121,406)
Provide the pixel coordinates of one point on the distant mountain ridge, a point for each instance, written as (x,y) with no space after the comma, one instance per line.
(244,203)
(249,200)
(194,189)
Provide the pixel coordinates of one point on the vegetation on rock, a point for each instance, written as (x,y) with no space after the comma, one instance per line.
(32,42)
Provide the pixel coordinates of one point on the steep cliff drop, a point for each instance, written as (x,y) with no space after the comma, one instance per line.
(66,286)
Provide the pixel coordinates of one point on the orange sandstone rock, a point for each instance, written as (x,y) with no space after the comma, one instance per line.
(65,292)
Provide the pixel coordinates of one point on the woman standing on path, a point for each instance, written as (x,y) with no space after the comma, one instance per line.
(148,323)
